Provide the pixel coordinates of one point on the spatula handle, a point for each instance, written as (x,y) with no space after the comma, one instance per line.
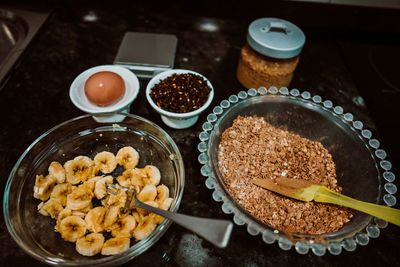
(386,213)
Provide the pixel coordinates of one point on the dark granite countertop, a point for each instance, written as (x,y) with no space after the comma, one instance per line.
(35,98)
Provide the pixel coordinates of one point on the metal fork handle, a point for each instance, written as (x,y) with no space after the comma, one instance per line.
(214,230)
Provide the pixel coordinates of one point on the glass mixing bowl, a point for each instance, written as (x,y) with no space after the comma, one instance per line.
(362,170)
(85,136)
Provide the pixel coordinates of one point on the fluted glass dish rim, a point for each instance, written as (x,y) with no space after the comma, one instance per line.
(303,243)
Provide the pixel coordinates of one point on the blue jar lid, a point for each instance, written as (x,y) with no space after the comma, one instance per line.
(275,38)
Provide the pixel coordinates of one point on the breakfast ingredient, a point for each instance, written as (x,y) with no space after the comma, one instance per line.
(82,212)
(124,226)
(71,228)
(90,244)
(162,193)
(100,188)
(75,195)
(127,157)
(111,217)
(116,200)
(94,219)
(43,186)
(104,88)
(131,176)
(148,193)
(115,245)
(62,215)
(144,212)
(252,148)
(50,208)
(80,198)
(57,171)
(105,161)
(181,93)
(152,175)
(145,227)
(79,169)
(164,205)
(60,193)
(137,179)
(255,70)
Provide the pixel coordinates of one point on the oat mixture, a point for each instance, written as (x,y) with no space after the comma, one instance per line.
(252,148)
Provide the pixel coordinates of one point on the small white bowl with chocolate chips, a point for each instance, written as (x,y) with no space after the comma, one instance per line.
(179,96)
(271,133)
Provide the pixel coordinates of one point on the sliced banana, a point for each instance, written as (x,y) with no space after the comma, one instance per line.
(117,200)
(127,157)
(124,226)
(90,244)
(88,185)
(144,228)
(125,178)
(60,193)
(150,203)
(148,193)
(79,169)
(62,215)
(50,208)
(57,171)
(165,205)
(80,198)
(94,219)
(112,215)
(104,200)
(153,175)
(131,177)
(162,193)
(67,193)
(43,186)
(100,189)
(108,179)
(71,228)
(82,212)
(138,217)
(137,189)
(94,178)
(115,245)
(105,161)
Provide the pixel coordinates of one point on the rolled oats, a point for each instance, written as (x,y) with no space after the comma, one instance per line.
(252,148)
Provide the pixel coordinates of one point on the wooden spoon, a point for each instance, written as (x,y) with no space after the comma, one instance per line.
(307,191)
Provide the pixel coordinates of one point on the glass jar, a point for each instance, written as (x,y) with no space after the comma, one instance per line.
(271,54)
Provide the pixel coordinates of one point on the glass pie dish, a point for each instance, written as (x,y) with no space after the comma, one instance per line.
(85,135)
(363,171)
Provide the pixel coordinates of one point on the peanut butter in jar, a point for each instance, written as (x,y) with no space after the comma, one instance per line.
(271,54)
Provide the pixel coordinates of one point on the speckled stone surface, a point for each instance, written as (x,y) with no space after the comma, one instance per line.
(35,99)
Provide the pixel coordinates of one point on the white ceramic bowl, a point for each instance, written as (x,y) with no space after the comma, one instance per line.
(79,99)
(173,119)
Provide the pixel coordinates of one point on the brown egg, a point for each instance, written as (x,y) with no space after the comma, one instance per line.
(104,88)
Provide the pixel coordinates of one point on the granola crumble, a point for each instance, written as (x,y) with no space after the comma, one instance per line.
(252,148)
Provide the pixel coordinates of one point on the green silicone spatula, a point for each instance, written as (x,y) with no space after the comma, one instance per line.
(307,191)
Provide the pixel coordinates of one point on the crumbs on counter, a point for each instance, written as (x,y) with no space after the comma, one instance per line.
(181,93)
(252,148)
